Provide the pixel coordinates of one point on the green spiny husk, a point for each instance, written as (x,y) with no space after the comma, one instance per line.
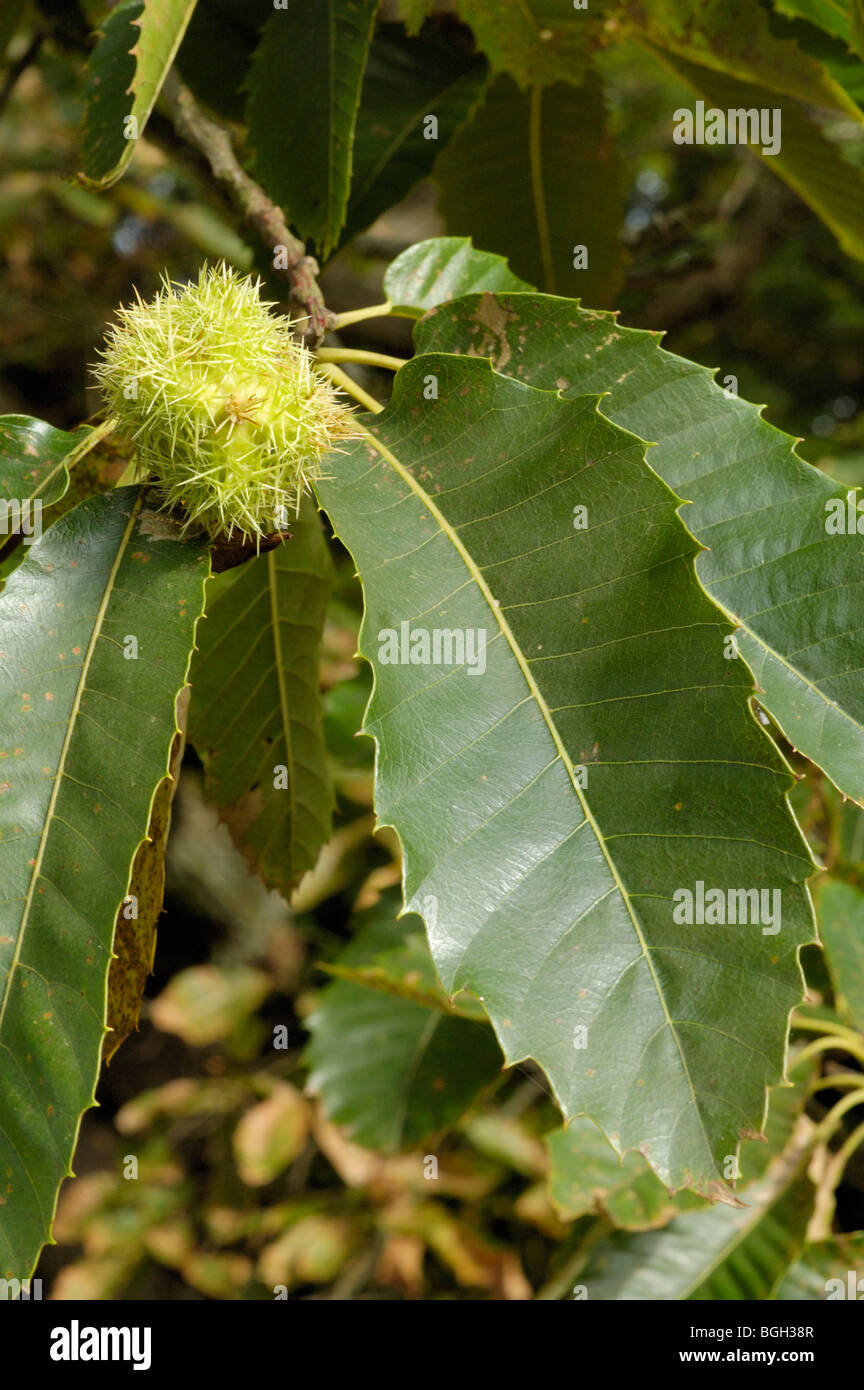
(222,405)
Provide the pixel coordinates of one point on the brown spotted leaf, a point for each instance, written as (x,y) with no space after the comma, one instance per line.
(271,1135)
(135,931)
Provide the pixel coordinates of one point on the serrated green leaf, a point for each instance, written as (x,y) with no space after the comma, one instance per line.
(86,736)
(734,39)
(842,19)
(432,272)
(832,32)
(217,50)
(406,81)
(549,899)
(302,149)
(108,96)
(722,1254)
(536,176)
(821,1263)
(831,15)
(811,163)
(840,912)
(834,53)
(537,41)
(256,705)
(792,589)
(586,1176)
(125,73)
(392,1062)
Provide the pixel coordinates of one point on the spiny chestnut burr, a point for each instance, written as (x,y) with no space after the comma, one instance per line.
(223,407)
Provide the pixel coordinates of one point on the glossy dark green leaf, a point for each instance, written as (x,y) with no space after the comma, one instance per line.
(551,803)
(536,177)
(304,93)
(85,736)
(407,81)
(435,271)
(255,716)
(793,590)
(35,483)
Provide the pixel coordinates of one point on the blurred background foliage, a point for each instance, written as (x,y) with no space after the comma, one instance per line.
(210,1168)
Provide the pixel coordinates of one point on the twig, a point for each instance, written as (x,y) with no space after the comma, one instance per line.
(268,220)
(370,311)
(370,359)
(347,384)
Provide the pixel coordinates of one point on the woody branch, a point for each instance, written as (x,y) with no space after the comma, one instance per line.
(259,211)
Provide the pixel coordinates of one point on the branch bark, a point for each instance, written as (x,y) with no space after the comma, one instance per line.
(259,211)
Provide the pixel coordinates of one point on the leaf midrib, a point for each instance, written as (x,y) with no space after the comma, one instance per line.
(272,578)
(410,1075)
